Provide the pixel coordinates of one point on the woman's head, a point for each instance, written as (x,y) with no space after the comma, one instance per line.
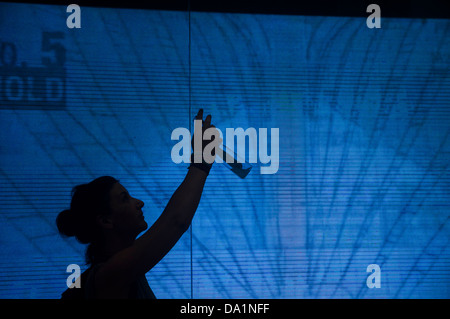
(99,209)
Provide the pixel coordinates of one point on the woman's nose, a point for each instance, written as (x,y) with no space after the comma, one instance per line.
(140,203)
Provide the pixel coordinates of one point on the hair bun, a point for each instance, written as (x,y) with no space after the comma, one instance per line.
(66,223)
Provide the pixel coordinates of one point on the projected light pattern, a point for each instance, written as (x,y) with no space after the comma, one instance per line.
(363,116)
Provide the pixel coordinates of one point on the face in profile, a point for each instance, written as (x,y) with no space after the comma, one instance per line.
(126,218)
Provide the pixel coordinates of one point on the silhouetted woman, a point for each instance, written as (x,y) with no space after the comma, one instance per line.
(104,215)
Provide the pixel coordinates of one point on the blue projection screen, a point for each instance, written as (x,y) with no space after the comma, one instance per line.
(363,117)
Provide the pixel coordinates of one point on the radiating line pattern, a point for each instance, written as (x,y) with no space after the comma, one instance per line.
(364,149)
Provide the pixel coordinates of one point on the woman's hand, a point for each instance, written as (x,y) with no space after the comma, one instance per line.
(199,142)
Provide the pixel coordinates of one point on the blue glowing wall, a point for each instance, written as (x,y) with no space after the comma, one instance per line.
(363,116)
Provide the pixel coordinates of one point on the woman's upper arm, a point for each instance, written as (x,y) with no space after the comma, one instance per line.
(127,265)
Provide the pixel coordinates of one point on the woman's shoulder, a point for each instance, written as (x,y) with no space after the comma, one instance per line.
(90,287)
